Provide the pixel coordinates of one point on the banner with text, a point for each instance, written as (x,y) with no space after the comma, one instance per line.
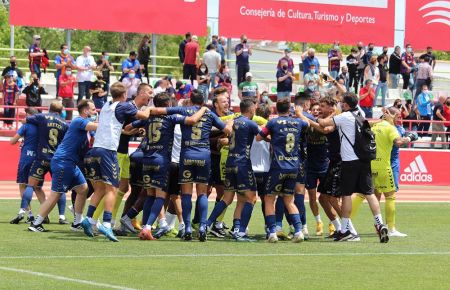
(428,24)
(317,21)
(140,16)
(424,167)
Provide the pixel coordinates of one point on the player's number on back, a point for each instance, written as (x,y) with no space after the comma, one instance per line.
(232,141)
(197,131)
(290,142)
(53,137)
(155,132)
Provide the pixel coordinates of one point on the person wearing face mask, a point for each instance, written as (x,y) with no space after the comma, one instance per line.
(424,74)
(309,59)
(334,60)
(372,72)
(362,62)
(438,116)
(131,63)
(85,66)
(98,92)
(408,63)
(423,102)
(13,70)
(285,78)
(395,63)
(248,88)
(352,64)
(431,57)
(287,57)
(144,55)
(312,76)
(382,84)
(203,80)
(63,60)
(35,55)
(67,82)
(345,76)
(104,65)
(132,83)
(33,92)
(243,52)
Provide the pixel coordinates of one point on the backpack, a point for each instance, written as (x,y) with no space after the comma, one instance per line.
(365,147)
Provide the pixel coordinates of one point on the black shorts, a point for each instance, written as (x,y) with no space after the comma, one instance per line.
(174,186)
(356,177)
(261,179)
(332,182)
(214,178)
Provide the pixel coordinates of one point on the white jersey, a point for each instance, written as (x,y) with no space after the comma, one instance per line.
(176,147)
(109,128)
(260,156)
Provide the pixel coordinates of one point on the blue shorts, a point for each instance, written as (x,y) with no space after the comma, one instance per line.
(215,179)
(155,172)
(194,168)
(396,173)
(23,171)
(39,169)
(240,178)
(312,179)
(281,181)
(261,178)
(102,165)
(301,176)
(66,176)
(136,178)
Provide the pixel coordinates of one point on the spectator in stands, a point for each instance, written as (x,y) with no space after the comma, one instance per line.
(243,52)
(385,52)
(308,59)
(352,64)
(182,46)
(311,87)
(371,72)
(423,102)
(131,63)
(424,74)
(285,78)
(395,64)
(63,60)
(221,47)
(85,65)
(67,83)
(265,99)
(183,90)
(366,97)
(447,118)
(402,108)
(438,116)
(287,57)
(362,61)
(382,83)
(248,88)
(431,57)
(408,64)
(203,80)
(35,55)
(15,71)
(33,92)
(98,91)
(104,65)
(191,59)
(132,83)
(345,77)
(312,75)
(10,96)
(334,60)
(212,60)
(144,55)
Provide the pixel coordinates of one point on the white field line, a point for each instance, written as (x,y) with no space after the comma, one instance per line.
(345,254)
(62,278)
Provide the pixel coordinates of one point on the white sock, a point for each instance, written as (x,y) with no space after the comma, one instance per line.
(305,226)
(219,225)
(148,227)
(78,218)
(63,217)
(378,219)
(170,218)
(318,219)
(92,221)
(181,226)
(163,223)
(21,212)
(336,224)
(352,228)
(345,225)
(30,213)
(38,220)
(278,228)
(107,225)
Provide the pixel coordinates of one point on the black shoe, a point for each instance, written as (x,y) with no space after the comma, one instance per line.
(46,220)
(217,232)
(202,236)
(225,226)
(30,220)
(63,222)
(342,237)
(180,234)
(187,236)
(383,234)
(334,235)
(76,227)
(36,228)
(16,220)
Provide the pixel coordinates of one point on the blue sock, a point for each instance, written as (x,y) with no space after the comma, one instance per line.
(27,196)
(202,202)
(245,216)
(196,218)
(90,211)
(295,218)
(299,200)
(237,223)
(107,216)
(132,213)
(62,204)
(156,209)
(147,208)
(218,209)
(279,212)
(271,223)
(186,206)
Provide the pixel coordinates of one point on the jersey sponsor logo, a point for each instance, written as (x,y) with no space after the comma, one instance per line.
(31,153)
(187,174)
(416,172)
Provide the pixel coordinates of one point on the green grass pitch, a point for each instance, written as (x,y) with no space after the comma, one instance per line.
(61,259)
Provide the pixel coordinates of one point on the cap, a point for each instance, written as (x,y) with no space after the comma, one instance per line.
(288,50)
(36,36)
(178,85)
(248,74)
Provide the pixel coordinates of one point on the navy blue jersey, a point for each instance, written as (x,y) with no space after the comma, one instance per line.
(30,136)
(51,129)
(196,138)
(334,146)
(73,146)
(285,133)
(159,132)
(317,151)
(244,131)
(131,110)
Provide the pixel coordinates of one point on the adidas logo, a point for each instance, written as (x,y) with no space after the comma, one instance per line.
(416,172)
